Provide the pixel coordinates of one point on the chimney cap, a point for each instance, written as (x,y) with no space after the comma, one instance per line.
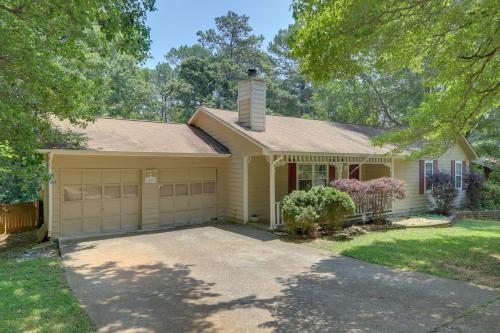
(252,72)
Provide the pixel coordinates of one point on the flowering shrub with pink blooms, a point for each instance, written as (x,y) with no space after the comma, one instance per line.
(373,195)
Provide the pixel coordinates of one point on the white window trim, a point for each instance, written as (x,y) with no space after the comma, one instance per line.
(458,175)
(312,164)
(431,162)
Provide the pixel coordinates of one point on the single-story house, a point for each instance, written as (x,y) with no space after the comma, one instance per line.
(221,165)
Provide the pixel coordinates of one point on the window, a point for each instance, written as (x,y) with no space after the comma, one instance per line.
(209,187)
(112,191)
(72,193)
(195,188)
(166,190)
(181,189)
(92,192)
(458,174)
(130,191)
(310,175)
(428,175)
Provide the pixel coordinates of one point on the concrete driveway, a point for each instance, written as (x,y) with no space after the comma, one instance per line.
(230,278)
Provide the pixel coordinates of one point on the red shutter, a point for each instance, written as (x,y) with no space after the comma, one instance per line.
(453,169)
(435,168)
(464,171)
(421,178)
(331,173)
(292,177)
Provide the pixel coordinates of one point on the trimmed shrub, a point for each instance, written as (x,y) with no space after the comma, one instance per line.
(334,207)
(490,193)
(443,192)
(473,184)
(320,206)
(373,195)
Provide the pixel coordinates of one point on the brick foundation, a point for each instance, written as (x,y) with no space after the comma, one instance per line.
(477,214)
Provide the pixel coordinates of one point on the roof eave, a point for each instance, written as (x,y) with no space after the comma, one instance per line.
(130,153)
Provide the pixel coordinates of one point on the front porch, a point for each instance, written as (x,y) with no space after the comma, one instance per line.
(267,179)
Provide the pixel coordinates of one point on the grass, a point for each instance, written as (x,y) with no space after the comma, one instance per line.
(469,250)
(34,295)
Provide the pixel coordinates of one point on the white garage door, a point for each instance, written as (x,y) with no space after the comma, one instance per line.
(97,201)
(187,195)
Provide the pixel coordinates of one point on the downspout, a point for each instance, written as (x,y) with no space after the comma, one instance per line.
(49,166)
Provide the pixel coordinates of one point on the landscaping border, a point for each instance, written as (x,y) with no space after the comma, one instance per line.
(476,214)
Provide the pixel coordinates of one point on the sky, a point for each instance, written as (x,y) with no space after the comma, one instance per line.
(175,22)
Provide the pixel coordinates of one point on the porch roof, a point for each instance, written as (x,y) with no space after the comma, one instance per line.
(296,135)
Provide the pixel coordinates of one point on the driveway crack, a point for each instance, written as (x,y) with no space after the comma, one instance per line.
(467,312)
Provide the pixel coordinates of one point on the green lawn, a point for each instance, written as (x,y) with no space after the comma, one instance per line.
(34,296)
(470,250)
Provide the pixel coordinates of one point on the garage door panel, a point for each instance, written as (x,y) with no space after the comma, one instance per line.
(71,176)
(181,203)
(196,216)
(72,227)
(92,209)
(92,225)
(111,207)
(112,176)
(196,202)
(71,210)
(111,223)
(130,206)
(130,176)
(91,176)
(181,217)
(167,218)
(130,222)
(166,204)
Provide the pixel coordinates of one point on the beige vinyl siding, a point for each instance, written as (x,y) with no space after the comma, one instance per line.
(232,207)
(372,171)
(408,171)
(149,192)
(258,188)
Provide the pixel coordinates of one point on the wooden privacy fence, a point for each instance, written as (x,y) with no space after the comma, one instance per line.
(18,217)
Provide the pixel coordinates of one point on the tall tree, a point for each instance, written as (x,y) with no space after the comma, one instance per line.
(50,54)
(453,44)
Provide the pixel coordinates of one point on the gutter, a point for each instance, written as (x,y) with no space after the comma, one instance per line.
(129,153)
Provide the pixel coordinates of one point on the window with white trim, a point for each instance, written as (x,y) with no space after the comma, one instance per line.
(428,175)
(458,174)
(309,175)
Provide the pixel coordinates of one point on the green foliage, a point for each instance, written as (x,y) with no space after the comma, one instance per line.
(320,206)
(52,57)
(334,205)
(490,195)
(453,45)
(468,246)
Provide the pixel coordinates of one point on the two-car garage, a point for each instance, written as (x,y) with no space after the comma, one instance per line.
(96,201)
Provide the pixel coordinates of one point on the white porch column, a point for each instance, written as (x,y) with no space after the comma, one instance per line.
(272,192)
(272,188)
(246,161)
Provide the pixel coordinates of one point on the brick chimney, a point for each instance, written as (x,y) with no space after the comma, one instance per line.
(252,102)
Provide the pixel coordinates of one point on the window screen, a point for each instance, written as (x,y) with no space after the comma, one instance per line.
(195,188)
(166,190)
(72,193)
(92,192)
(209,187)
(130,191)
(112,191)
(181,189)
